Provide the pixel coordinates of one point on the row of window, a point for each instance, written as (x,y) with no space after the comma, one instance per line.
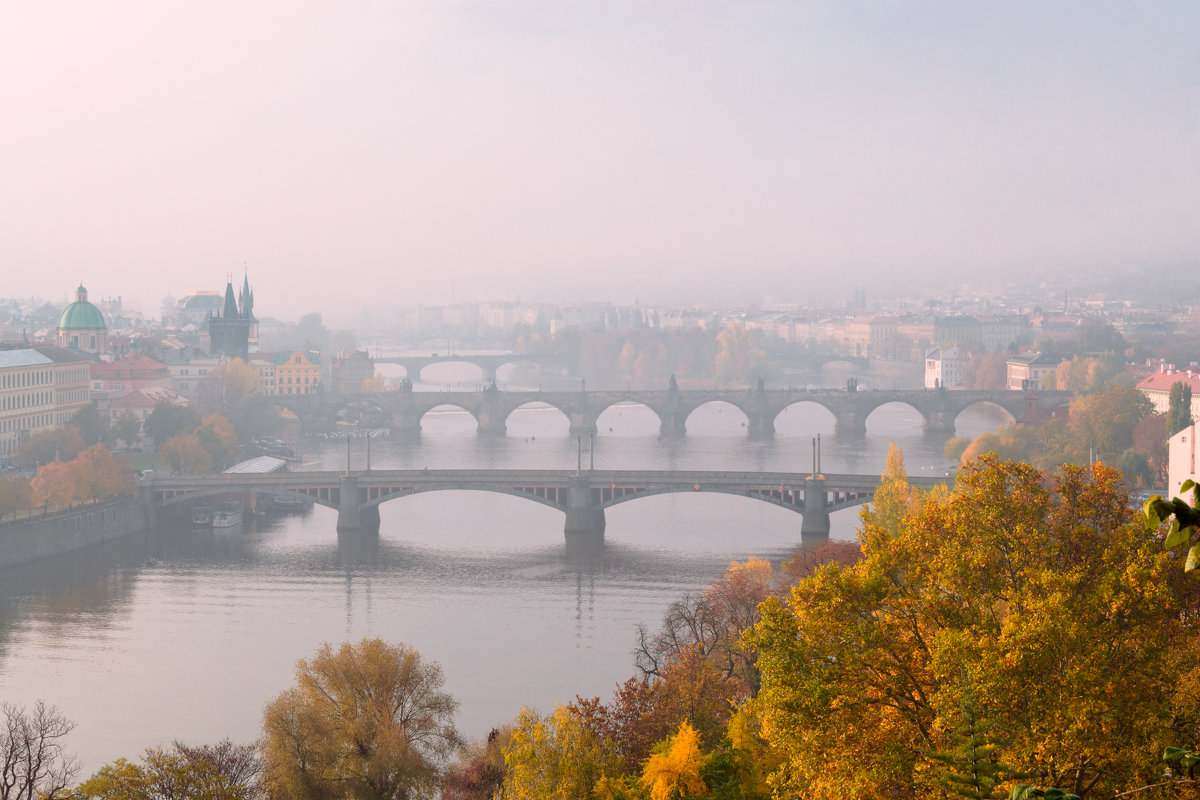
(26,423)
(18,380)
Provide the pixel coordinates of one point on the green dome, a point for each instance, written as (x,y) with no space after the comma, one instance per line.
(81,315)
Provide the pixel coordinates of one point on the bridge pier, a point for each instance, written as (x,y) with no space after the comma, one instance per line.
(406,426)
(815,528)
(352,516)
(358,546)
(850,423)
(582,423)
(491,424)
(584,516)
(939,422)
(673,426)
(761,426)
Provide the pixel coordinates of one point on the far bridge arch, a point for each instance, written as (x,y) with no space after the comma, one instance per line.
(445,410)
(517,418)
(788,418)
(919,415)
(721,404)
(607,413)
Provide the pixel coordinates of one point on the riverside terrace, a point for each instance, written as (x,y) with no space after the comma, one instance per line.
(402,410)
(582,495)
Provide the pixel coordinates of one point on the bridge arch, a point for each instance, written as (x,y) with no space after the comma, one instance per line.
(802,419)
(989,405)
(441,364)
(553,501)
(534,416)
(713,413)
(917,415)
(447,418)
(628,417)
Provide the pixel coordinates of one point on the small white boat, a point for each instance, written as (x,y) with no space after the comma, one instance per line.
(227,516)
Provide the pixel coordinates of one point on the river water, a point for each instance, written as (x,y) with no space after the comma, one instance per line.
(186,634)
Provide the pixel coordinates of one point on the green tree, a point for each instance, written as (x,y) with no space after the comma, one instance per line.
(92,425)
(1179,408)
(167,420)
(128,428)
(369,721)
(59,444)
(15,494)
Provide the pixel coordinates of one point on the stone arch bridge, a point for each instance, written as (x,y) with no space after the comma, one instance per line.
(490,363)
(402,410)
(582,495)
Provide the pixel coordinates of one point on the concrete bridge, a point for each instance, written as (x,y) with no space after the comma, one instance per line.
(402,410)
(582,495)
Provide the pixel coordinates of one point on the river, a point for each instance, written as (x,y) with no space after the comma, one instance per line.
(185,634)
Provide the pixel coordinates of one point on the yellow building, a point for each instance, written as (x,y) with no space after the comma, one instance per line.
(298,372)
(40,388)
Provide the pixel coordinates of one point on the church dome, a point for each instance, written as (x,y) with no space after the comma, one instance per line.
(81,315)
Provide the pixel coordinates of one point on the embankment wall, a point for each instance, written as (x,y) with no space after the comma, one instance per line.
(24,541)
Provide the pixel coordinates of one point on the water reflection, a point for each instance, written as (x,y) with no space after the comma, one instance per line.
(186,633)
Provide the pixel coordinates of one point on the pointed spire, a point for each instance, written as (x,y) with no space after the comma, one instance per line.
(246,297)
(230,311)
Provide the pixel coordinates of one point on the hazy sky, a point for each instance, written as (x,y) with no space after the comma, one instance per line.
(355,154)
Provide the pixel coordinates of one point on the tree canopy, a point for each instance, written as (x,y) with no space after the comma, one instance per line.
(1027,627)
(367,721)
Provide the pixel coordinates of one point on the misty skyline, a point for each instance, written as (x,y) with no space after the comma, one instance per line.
(380,154)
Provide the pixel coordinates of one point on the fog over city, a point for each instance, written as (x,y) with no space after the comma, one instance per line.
(351,155)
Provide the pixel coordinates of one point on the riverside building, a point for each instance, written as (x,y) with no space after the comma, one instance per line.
(40,388)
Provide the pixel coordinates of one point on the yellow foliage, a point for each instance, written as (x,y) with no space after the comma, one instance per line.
(674,774)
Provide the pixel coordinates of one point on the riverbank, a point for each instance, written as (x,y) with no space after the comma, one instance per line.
(26,540)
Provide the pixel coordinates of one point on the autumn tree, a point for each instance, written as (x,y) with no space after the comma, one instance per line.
(97,474)
(33,760)
(738,358)
(224,771)
(673,772)
(227,385)
(54,485)
(986,371)
(369,720)
(219,439)
(186,453)
(1045,612)
(554,757)
(375,383)
(478,772)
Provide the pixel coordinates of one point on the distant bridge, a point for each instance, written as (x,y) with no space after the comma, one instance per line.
(582,495)
(490,363)
(402,410)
